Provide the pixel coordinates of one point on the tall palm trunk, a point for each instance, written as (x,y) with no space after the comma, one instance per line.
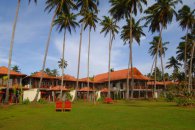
(130,59)
(79,58)
(185,56)
(45,56)
(63,50)
(109,62)
(11,50)
(190,71)
(156,60)
(161,53)
(89,44)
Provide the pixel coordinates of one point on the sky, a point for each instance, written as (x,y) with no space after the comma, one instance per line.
(32,32)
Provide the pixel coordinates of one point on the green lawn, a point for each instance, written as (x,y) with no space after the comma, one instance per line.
(133,115)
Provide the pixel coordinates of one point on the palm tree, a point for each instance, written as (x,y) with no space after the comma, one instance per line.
(109,26)
(65,22)
(89,20)
(85,6)
(191,58)
(137,32)
(154,51)
(173,62)
(58,6)
(186,20)
(158,16)
(62,64)
(121,9)
(16,68)
(11,47)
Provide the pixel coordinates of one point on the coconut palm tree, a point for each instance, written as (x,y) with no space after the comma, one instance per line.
(191,59)
(11,47)
(65,22)
(62,64)
(84,6)
(137,32)
(109,26)
(159,15)
(186,20)
(16,68)
(121,9)
(155,52)
(89,20)
(58,6)
(173,62)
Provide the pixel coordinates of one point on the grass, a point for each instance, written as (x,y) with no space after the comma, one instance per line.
(135,115)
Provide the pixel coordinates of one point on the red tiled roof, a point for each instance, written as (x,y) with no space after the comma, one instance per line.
(85,89)
(104,90)
(45,76)
(85,80)
(4,71)
(120,75)
(58,88)
(68,78)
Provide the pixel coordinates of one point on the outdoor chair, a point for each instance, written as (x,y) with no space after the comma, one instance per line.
(59,106)
(108,100)
(67,106)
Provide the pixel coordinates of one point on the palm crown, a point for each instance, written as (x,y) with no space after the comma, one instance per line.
(173,63)
(154,46)
(123,8)
(89,19)
(137,31)
(186,17)
(108,25)
(66,21)
(59,6)
(160,14)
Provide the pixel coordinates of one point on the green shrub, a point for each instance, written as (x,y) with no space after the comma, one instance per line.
(42,101)
(170,97)
(184,101)
(26,101)
(68,96)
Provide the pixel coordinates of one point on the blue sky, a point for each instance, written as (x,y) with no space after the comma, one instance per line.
(32,31)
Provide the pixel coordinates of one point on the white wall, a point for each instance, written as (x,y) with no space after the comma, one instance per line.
(30,94)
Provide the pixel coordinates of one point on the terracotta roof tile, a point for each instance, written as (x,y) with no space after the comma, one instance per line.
(120,75)
(68,78)
(45,76)
(85,89)
(4,71)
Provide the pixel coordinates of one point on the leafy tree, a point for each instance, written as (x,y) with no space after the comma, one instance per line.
(89,20)
(186,21)
(121,9)
(16,68)
(84,7)
(11,47)
(159,15)
(109,27)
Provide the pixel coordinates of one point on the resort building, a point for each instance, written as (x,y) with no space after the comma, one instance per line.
(15,84)
(118,80)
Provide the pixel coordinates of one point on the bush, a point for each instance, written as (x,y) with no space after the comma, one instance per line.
(170,97)
(42,101)
(184,101)
(68,96)
(26,101)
